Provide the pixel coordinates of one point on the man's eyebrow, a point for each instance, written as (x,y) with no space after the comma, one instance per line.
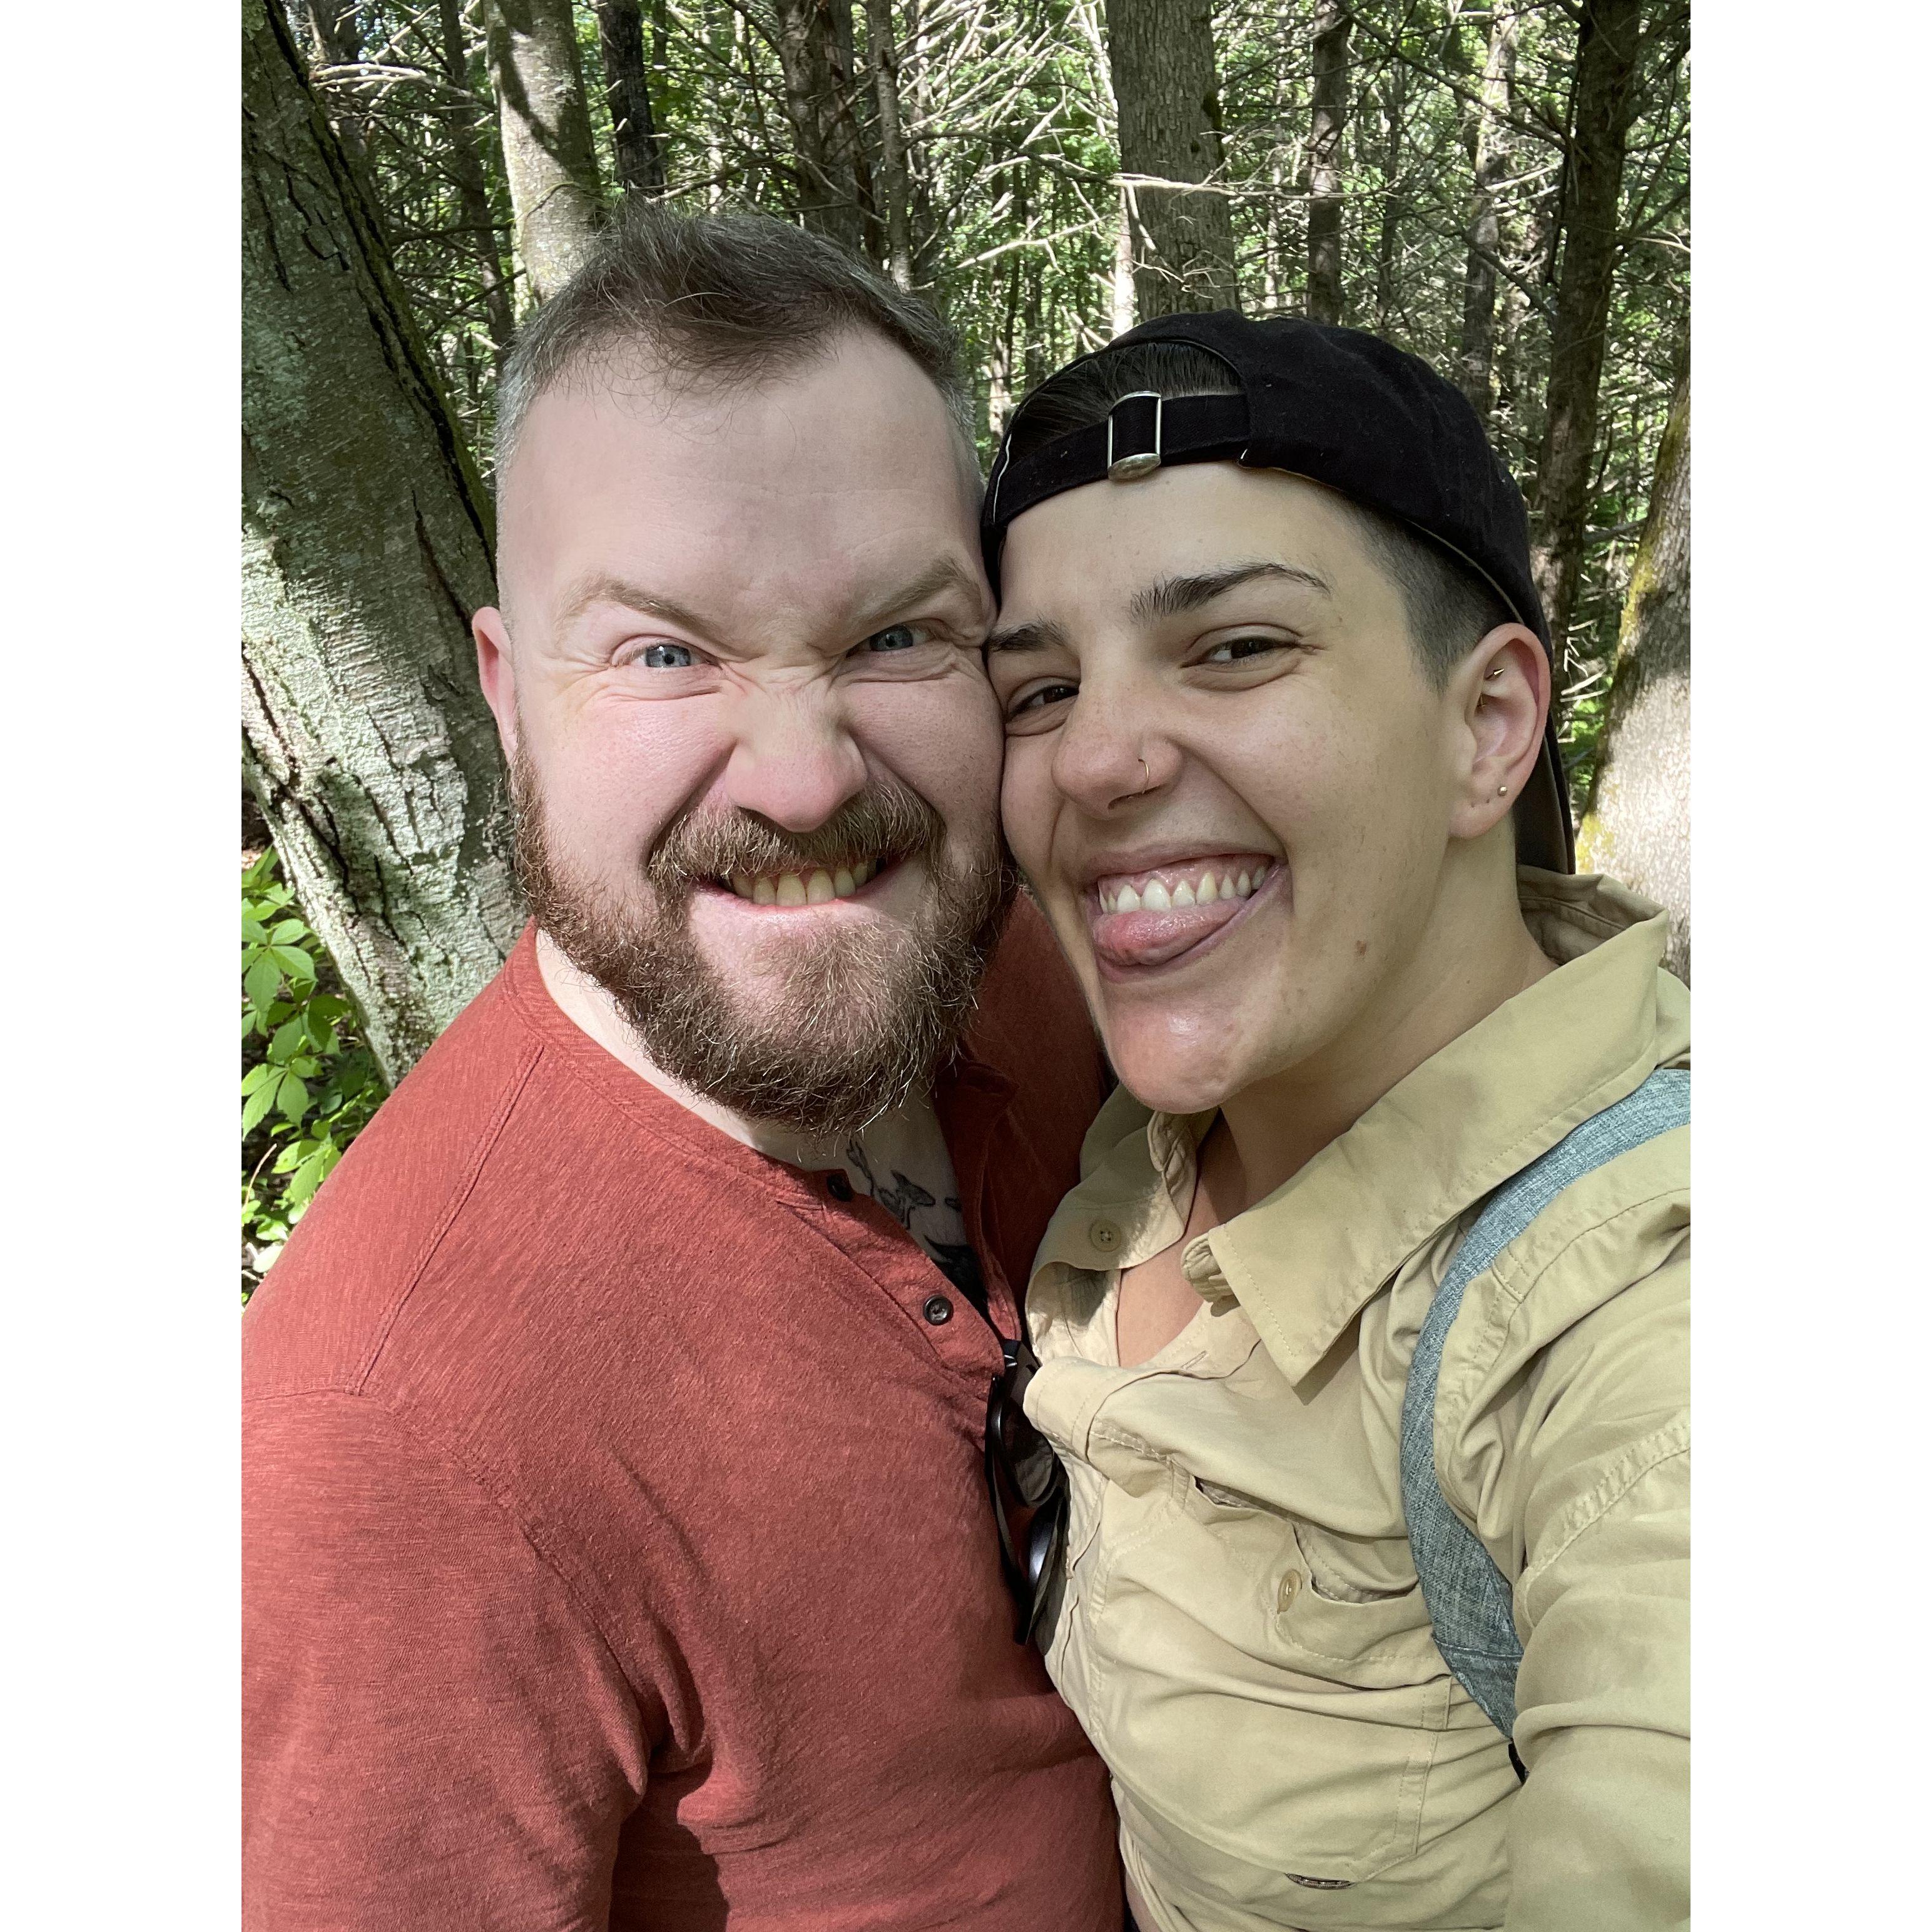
(944,573)
(1175,596)
(1043,635)
(605,588)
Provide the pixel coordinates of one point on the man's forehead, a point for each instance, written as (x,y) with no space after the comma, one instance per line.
(855,402)
(820,487)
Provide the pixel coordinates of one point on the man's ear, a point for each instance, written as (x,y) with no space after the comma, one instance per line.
(1502,693)
(496,671)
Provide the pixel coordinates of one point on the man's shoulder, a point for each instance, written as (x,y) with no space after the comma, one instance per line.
(319,1316)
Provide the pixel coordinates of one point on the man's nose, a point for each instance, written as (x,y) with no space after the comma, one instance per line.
(1111,749)
(796,761)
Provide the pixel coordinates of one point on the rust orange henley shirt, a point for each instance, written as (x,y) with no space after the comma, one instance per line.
(616,1550)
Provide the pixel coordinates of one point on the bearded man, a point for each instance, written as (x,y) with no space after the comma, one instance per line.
(619,1549)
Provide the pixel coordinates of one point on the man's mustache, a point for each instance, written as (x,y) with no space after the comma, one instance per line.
(887,820)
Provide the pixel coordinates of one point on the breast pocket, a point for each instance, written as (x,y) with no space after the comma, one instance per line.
(1273,1693)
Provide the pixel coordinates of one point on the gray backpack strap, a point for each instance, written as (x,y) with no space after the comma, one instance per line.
(1469,1599)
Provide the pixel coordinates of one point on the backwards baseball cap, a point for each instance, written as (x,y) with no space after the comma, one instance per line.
(1339,407)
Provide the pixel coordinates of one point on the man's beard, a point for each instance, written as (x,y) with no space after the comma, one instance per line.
(848,1025)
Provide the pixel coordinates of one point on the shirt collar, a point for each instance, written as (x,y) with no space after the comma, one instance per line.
(1305,1261)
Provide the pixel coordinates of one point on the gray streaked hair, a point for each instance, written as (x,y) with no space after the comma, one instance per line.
(718,299)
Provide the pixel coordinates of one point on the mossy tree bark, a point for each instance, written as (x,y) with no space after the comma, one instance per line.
(1490,165)
(634,133)
(548,154)
(367,545)
(835,175)
(1328,112)
(1636,825)
(1167,95)
(1604,99)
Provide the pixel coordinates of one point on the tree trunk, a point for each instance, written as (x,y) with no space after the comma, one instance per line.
(472,196)
(1637,825)
(1605,71)
(894,179)
(547,151)
(834,184)
(1388,234)
(1328,110)
(366,547)
(633,134)
(337,35)
(1484,232)
(1161,54)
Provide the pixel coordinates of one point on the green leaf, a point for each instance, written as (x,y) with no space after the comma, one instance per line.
(312,1173)
(252,932)
(290,932)
(298,966)
(288,1040)
(262,980)
(321,1034)
(257,1104)
(330,1007)
(304,1065)
(255,1075)
(292,1097)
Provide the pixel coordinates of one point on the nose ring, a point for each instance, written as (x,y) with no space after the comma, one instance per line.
(1147,778)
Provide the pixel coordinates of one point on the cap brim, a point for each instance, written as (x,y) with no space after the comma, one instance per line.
(1544,836)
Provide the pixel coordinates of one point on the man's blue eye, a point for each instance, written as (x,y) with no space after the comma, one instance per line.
(900,638)
(666,657)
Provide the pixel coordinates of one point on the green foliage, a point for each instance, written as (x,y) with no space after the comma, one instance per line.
(308,1085)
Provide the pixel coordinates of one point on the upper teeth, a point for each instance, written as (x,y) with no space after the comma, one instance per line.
(1208,887)
(797,889)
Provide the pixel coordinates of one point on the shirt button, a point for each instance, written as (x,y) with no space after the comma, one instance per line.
(838,1187)
(1290,1589)
(938,1310)
(1104,1235)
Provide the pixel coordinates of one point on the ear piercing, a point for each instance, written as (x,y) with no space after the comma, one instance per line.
(1496,671)
(1501,790)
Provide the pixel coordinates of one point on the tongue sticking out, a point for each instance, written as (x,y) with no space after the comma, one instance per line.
(1148,919)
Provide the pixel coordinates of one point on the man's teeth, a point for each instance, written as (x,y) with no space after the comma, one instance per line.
(797,888)
(1206,890)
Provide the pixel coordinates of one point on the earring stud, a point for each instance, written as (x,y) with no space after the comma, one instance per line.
(1501,790)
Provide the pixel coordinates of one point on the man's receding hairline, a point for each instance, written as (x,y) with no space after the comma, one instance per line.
(597,366)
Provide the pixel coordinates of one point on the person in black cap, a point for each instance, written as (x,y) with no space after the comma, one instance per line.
(1363,1341)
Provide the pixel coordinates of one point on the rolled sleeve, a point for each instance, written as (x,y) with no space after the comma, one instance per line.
(1599,1838)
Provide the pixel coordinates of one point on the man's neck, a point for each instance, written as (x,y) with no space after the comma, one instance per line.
(1474,955)
(900,1159)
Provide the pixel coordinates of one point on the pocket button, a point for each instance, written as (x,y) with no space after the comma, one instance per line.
(1105,1236)
(1290,1589)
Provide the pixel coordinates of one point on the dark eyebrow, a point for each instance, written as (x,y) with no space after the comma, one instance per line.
(1175,596)
(1044,635)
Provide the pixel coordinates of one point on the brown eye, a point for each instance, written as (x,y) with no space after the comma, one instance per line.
(1236,650)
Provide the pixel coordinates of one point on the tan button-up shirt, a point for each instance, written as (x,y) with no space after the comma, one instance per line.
(1240,1626)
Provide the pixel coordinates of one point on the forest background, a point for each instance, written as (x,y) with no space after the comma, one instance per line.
(1503,190)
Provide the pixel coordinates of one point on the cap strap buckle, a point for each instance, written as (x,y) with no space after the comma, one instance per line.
(1133,438)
